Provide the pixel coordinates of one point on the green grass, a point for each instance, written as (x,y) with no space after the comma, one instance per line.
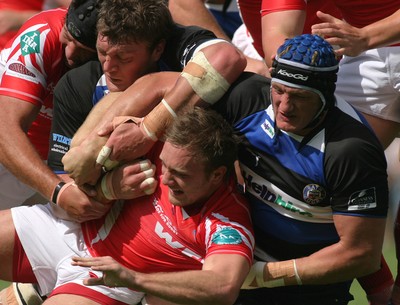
(356,290)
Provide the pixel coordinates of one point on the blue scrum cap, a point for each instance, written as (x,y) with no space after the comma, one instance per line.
(307,62)
(81,21)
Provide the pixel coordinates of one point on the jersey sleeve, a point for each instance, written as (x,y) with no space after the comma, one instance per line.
(355,167)
(72,104)
(270,6)
(33,60)
(247,95)
(181,45)
(229,225)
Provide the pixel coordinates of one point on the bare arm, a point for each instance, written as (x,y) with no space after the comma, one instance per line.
(11,20)
(17,153)
(20,157)
(217,283)
(194,12)
(351,40)
(223,57)
(274,31)
(357,253)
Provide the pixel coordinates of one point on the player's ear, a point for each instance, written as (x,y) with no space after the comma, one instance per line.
(218,174)
(159,49)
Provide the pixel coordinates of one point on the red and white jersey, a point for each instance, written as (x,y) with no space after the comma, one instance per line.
(358,13)
(33,63)
(149,234)
(31,5)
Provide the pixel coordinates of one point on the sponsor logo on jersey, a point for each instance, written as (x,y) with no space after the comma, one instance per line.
(169,240)
(261,191)
(313,194)
(362,200)
(61,139)
(227,236)
(298,76)
(46,112)
(20,69)
(30,43)
(268,128)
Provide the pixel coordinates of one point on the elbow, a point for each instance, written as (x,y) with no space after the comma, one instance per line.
(229,61)
(367,262)
(229,294)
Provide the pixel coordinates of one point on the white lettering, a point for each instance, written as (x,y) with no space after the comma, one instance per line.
(292,75)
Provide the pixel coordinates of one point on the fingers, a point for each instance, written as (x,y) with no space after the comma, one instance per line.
(104,160)
(105,130)
(327,18)
(135,180)
(149,185)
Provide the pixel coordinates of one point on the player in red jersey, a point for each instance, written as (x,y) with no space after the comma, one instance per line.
(194,232)
(46,46)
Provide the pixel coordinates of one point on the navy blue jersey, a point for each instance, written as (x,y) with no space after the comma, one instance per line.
(79,89)
(296,184)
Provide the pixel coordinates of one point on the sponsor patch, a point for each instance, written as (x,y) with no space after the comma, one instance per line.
(227,236)
(362,200)
(268,129)
(313,194)
(30,43)
(20,69)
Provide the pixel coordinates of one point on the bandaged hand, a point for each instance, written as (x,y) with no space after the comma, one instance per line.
(80,161)
(128,181)
(127,139)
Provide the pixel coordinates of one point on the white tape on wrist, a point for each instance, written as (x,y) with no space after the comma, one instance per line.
(256,273)
(170,110)
(296,274)
(107,187)
(150,134)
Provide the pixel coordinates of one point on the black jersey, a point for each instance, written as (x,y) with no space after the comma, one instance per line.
(78,90)
(296,184)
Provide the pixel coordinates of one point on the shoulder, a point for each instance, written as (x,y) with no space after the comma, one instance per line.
(78,85)
(52,18)
(247,95)
(81,78)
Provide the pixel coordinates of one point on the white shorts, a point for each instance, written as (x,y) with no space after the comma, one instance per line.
(244,42)
(12,191)
(50,243)
(371,82)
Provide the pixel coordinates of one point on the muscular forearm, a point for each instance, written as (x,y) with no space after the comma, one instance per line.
(189,287)
(333,264)
(358,253)
(140,97)
(21,159)
(383,32)
(17,153)
(274,31)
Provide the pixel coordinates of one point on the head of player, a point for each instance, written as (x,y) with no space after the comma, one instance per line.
(132,35)
(79,32)
(198,156)
(304,74)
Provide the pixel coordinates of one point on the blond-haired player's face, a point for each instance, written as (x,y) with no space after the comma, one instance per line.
(185,176)
(123,64)
(294,108)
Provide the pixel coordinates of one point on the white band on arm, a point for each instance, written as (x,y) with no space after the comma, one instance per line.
(296,273)
(158,120)
(204,79)
(171,111)
(273,274)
